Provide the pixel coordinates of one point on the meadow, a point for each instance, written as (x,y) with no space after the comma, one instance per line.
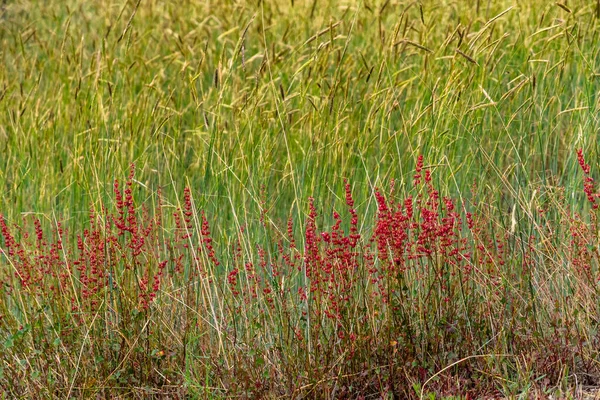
(299,199)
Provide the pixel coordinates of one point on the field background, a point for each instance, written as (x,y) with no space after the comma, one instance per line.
(257,106)
(229,97)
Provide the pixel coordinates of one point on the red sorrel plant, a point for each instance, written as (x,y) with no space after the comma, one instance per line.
(588,185)
(150,297)
(584,252)
(107,284)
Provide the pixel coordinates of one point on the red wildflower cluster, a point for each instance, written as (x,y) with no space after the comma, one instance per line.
(207,241)
(588,185)
(410,287)
(416,232)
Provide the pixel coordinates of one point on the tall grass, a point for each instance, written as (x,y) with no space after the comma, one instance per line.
(229,97)
(247,111)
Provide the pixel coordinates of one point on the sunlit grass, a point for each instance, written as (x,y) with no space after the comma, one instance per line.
(258,106)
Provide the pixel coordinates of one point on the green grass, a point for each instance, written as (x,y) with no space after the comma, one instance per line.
(231,97)
(259,105)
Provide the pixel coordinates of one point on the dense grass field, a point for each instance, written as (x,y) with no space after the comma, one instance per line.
(299,199)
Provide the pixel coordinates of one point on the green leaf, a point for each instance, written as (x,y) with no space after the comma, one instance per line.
(259,361)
